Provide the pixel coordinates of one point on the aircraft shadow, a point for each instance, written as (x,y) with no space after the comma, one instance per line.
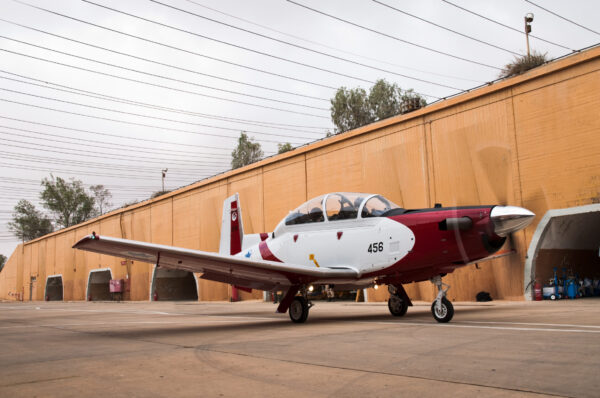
(280,322)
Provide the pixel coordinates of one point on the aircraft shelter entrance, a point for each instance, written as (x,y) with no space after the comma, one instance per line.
(54,288)
(98,287)
(568,240)
(173,285)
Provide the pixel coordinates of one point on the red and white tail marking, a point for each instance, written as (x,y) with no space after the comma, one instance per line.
(232,229)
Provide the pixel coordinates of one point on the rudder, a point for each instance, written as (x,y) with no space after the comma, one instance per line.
(232,229)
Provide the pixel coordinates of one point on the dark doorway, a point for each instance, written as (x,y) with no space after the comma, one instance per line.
(99,286)
(172,285)
(54,288)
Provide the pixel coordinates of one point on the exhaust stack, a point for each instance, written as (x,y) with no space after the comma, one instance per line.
(509,219)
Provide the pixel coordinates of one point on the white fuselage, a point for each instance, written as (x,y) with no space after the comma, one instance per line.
(364,244)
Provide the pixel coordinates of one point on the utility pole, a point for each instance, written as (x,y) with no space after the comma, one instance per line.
(528,21)
(164,173)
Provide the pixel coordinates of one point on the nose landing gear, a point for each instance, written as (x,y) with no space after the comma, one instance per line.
(441,308)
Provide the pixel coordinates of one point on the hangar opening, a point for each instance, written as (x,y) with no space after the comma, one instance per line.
(98,288)
(54,288)
(173,285)
(567,240)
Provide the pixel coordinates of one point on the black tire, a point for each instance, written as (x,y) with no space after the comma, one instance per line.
(397,306)
(446,313)
(298,310)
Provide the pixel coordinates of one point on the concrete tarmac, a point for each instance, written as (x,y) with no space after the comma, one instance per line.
(190,349)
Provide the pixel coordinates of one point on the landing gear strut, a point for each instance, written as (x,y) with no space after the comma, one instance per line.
(441,309)
(299,307)
(398,302)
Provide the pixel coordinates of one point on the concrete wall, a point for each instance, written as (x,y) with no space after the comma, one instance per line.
(530,141)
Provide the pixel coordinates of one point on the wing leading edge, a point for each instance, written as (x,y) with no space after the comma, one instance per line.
(257,274)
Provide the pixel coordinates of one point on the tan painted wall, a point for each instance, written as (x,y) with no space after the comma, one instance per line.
(530,141)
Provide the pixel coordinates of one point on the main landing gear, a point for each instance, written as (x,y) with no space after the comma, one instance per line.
(398,302)
(297,306)
(441,309)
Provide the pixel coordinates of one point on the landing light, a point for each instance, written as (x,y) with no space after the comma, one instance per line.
(311,288)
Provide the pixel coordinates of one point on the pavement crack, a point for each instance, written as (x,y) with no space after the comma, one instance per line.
(38,381)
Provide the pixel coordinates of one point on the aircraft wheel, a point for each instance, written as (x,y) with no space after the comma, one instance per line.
(445,313)
(299,310)
(397,306)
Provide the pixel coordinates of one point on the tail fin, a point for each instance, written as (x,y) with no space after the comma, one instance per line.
(232,229)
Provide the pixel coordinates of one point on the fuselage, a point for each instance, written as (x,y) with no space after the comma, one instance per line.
(386,245)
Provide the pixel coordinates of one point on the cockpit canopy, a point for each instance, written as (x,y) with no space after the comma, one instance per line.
(340,206)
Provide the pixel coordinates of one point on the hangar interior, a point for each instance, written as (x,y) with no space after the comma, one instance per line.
(54,288)
(570,243)
(173,285)
(98,288)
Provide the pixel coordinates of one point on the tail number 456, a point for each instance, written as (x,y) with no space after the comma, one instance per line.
(375,247)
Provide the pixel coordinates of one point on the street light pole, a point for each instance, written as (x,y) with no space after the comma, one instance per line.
(164,173)
(528,21)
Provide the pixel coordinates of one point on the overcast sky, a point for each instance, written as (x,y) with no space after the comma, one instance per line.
(111,92)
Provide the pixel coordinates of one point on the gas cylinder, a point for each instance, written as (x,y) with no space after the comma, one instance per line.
(537,291)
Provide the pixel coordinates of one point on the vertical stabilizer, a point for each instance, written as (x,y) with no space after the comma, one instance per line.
(232,229)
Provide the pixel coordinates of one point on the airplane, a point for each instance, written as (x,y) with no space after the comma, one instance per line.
(345,240)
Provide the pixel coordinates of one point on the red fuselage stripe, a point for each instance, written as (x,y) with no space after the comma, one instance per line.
(266,253)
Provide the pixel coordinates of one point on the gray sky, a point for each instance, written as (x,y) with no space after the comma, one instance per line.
(57,117)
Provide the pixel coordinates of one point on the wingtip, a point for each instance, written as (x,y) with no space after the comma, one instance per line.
(86,238)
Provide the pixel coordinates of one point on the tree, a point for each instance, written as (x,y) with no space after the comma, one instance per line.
(246,152)
(67,200)
(523,63)
(281,148)
(102,198)
(350,109)
(28,223)
(353,108)
(2,261)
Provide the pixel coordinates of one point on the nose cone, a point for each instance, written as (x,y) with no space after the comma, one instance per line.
(509,219)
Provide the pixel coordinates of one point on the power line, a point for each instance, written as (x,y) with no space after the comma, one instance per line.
(162,63)
(114,167)
(94,173)
(174,47)
(115,135)
(161,77)
(230,44)
(504,25)
(561,17)
(393,37)
(122,121)
(443,27)
(119,147)
(152,117)
(299,46)
(331,47)
(93,94)
(112,188)
(102,155)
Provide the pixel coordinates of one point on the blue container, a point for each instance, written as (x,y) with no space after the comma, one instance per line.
(571,289)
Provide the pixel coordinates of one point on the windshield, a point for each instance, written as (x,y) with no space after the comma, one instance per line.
(377,206)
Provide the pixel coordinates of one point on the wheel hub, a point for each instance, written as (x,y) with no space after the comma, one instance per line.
(441,311)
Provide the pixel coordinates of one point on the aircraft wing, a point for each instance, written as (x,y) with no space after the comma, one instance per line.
(237,270)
